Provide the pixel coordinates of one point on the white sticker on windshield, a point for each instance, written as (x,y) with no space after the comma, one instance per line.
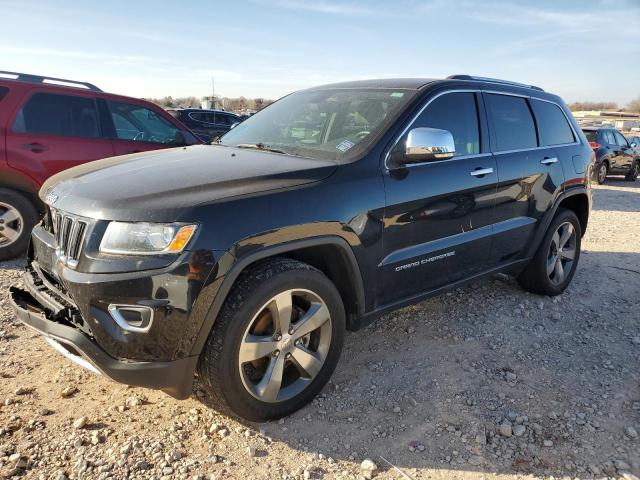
(345,145)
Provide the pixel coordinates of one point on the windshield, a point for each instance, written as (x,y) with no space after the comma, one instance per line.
(334,124)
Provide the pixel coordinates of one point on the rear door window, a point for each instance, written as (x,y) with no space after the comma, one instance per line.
(222,119)
(553,127)
(608,137)
(199,117)
(54,114)
(3,92)
(512,121)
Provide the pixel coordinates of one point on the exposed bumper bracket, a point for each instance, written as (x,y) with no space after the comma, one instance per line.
(174,377)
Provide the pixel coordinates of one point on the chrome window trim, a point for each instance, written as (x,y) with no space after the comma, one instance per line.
(406,129)
(492,152)
(223,114)
(533,149)
(508,94)
(573,130)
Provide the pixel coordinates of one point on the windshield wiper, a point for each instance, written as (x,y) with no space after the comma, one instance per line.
(261,146)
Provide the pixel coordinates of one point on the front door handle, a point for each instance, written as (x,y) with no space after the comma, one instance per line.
(480,172)
(35,147)
(548,160)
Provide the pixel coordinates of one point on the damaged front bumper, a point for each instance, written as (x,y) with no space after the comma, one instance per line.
(58,320)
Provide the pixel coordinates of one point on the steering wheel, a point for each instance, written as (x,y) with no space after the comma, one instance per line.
(139,136)
(361,135)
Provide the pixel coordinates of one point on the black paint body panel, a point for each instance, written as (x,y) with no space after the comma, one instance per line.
(251,204)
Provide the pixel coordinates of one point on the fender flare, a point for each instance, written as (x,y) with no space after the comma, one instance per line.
(229,278)
(551,213)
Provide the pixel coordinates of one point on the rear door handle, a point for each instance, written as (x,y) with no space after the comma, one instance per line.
(35,147)
(479,172)
(549,160)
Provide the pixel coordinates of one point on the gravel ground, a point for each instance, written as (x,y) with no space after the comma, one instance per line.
(484,382)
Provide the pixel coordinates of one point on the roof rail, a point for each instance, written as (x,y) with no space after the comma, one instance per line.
(26,77)
(493,80)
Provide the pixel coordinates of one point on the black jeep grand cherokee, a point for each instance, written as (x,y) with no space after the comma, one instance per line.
(246,261)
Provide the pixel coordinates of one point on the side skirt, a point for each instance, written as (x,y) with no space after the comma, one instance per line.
(367,318)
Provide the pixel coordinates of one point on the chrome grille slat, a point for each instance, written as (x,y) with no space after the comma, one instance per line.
(69,232)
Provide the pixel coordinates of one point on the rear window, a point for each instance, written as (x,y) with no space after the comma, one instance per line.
(53,114)
(553,126)
(512,123)
(3,92)
(592,135)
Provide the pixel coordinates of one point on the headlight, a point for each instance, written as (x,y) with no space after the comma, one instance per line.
(145,238)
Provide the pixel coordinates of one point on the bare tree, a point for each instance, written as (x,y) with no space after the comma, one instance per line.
(232,104)
(582,106)
(634,105)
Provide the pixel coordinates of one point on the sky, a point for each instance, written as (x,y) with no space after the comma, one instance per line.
(580,49)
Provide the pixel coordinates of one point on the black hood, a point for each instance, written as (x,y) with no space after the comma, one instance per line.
(160,185)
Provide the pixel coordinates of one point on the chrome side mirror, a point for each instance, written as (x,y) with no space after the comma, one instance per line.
(425,144)
(633,145)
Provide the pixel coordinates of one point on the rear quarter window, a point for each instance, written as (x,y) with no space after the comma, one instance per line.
(3,92)
(553,127)
(512,121)
(592,135)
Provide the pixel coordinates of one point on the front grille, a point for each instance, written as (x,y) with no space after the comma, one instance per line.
(69,233)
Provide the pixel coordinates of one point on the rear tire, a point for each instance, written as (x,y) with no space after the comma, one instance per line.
(554,264)
(601,174)
(634,172)
(254,369)
(18,216)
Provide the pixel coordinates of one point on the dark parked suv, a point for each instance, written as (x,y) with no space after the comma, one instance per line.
(207,124)
(614,154)
(50,124)
(246,260)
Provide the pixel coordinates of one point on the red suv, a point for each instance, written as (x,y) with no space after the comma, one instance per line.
(48,125)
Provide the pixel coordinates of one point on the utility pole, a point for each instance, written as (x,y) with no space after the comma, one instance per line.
(213,98)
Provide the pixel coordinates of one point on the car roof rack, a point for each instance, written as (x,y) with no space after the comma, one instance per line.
(492,80)
(27,77)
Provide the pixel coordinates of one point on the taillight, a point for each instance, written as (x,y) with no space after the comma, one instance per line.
(594,145)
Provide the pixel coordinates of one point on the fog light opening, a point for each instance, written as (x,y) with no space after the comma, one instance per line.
(132,318)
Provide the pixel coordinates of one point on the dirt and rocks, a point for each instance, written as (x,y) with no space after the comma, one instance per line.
(483,382)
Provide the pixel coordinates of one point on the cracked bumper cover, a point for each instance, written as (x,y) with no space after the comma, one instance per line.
(173,377)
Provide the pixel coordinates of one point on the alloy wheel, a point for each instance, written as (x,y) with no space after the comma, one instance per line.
(636,170)
(562,252)
(11,224)
(602,173)
(285,345)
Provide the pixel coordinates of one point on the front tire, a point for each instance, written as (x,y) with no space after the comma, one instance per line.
(18,216)
(634,172)
(554,264)
(275,343)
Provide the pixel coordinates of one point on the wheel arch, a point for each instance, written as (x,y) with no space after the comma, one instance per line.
(579,204)
(330,254)
(11,180)
(577,200)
